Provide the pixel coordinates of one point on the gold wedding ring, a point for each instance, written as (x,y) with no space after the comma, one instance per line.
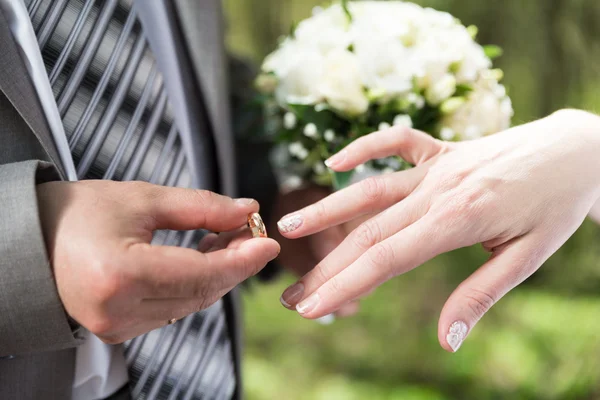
(257,226)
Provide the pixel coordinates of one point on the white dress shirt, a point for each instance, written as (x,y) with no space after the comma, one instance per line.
(100,369)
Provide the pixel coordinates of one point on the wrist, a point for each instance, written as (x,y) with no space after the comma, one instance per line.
(584,123)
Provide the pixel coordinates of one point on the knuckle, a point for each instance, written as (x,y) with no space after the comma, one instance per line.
(143,193)
(366,235)
(337,288)
(373,188)
(461,205)
(381,258)
(319,274)
(446,178)
(320,213)
(137,187)
(209,203)
(247,267)
(106,283)
(479,302)
(204,197)
(205,289)
(101,325)
(405,136)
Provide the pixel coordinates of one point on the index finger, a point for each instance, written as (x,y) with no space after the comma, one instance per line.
(412,145)
(190,209)
(175,272)
(369,196)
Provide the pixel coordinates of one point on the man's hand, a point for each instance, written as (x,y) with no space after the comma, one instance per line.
(118,286)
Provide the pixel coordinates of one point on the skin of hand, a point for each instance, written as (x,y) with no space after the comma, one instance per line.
(595,212)
(112,281)
(521,193)
(300,256)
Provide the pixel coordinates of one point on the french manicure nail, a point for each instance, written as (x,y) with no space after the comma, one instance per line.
(456,335)
(336,159)
(292,295)
(245,202)
(290,224)
(308,304)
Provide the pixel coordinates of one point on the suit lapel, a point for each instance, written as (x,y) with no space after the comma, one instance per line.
(17,86)
(203,28)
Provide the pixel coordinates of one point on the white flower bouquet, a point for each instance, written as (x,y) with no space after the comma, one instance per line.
(357,67)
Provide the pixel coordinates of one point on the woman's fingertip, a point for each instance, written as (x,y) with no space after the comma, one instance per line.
(337,159)
(290,223)
(457,333)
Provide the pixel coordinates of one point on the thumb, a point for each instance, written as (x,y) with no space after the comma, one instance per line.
(506,269)
(188,209)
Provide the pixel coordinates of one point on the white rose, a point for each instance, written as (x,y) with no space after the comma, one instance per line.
(325,31)
(341,85)
(300,79)
(281,60)
(482,114)
(473,62)
(386,66)
(441,90)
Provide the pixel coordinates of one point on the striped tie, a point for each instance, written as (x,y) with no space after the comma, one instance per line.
(120,126)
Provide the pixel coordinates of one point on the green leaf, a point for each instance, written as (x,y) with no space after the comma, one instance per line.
(323,119)
(323,180)
(293,30)
(347,10)
(492,51)
(341,179)
(463,89)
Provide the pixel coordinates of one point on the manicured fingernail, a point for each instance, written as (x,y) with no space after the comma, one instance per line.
(309,304)
(336,159)
(290,224)
(456,335)
(292,295)
(245,202)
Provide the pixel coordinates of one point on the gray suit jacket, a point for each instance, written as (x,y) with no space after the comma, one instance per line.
(37,344)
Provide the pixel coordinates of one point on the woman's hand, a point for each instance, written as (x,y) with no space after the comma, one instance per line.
(300,256)
(521,193)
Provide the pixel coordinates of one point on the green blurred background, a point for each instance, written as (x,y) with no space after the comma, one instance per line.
(542,341)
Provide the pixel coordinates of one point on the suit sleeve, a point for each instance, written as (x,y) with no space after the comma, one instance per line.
(254,170)
(32,316)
